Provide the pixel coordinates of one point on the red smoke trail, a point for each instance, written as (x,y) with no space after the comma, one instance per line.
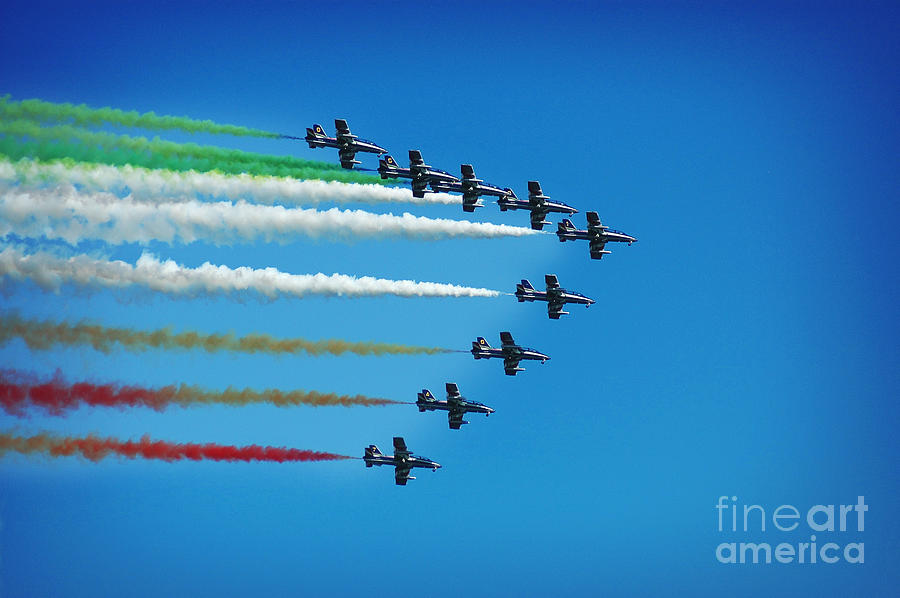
(95,448)
(18,391)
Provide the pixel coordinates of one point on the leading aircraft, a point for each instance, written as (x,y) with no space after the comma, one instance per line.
(509,351)
(596,233)
(419,173)
(539,204)
(472,188)
(346,143)
(555,296)
(456,405)
(403,460)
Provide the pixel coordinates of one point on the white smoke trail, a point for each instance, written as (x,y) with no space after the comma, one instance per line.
(64,213)
(153,184)
(51,272)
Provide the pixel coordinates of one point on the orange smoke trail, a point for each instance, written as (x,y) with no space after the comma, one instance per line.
(94,448)
(17,392)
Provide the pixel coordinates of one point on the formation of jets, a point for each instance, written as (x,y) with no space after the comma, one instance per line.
(427,179)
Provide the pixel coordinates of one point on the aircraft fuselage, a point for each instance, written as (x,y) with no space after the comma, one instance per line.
(513,203)
(408,462)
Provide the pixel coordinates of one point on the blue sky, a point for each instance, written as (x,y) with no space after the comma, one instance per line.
(745,346)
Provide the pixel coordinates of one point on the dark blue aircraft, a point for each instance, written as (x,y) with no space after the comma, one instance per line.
(472,188)
(420,174)
(597,234)
(402,460)
(346,143)
(538,203)
(555,296)
(509,351)
(456,405)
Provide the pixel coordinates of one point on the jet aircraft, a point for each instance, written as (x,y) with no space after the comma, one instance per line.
(539,204)
(597,234)
(346,143)
(509,351)
(456,405)
(472,188)
(402,460)
(555,296)
(420,174)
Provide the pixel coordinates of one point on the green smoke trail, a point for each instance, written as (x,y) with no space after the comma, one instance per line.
(83,115)
(25,139)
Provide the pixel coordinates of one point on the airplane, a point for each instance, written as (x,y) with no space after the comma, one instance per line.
(456,405)
(537,202)
(555,296)
(419,173)
(423,174)
(596,233)
(346,143)
(402,460)
(511,353)
(472,188)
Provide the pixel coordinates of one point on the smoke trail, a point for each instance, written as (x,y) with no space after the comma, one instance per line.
(83,115)
(17,393)
(51,272)
(28,139)
(150,184)
(64,213)
(42,335)
(95,449)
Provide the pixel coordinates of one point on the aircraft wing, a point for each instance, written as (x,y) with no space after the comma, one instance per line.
(555,308)
(400,449)
(456,418)
(348,157)
(401,475)
(452,391)
(536,196)
(507,340)
(593,220)
(511,365)
(552,281)
(470,201)
(415,159)
(343,130)
(597,249)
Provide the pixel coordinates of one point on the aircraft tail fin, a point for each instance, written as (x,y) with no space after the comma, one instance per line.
(424,398)
(565,226)
(313,134)
(522,289)
(386,164)
(479,344)
(371,451)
